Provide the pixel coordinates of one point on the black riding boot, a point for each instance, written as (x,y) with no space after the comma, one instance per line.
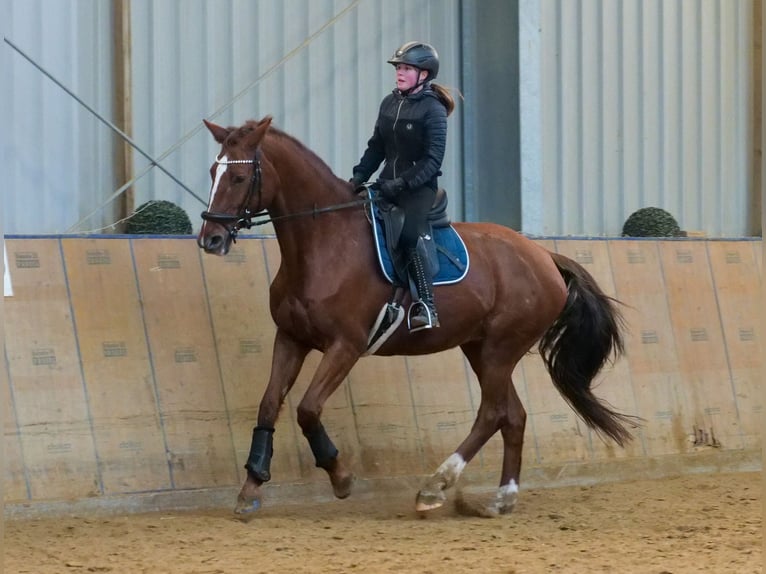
(422,314)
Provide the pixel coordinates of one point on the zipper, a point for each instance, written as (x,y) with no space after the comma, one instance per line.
(396,119)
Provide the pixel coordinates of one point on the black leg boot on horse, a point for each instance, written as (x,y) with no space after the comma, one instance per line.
(422,313)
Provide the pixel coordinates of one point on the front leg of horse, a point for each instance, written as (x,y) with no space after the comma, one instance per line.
(333,368)
(326,457)
(286,363)
(258,468)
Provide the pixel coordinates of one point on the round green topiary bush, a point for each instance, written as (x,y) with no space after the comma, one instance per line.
(651,222)
(159,217)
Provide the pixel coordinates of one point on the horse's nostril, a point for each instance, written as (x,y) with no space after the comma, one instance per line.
(212,243)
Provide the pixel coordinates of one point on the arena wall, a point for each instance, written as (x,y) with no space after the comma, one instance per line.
(135,367)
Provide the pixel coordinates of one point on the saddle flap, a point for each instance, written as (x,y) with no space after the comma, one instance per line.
(451,253)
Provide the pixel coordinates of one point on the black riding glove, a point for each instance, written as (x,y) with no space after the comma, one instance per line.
(390,188)
(357,181)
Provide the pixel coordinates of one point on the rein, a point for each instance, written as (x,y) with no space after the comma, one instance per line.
(245,217)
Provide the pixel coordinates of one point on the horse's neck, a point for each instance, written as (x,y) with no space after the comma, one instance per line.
(305,236)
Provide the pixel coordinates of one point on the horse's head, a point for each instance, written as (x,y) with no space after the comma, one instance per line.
(237,192)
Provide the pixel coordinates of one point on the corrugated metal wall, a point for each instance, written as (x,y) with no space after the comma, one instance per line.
(641,103)
(191,58)
(58,157)
(623,103)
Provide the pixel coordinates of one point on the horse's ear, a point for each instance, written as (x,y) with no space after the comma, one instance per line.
(220,133)
(257,135)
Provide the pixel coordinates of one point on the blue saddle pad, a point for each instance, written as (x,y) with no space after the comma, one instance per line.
(446,237)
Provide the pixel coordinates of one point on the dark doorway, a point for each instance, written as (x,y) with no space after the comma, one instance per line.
(492,179)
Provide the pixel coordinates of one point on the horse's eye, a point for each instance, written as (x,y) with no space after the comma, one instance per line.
(238,179)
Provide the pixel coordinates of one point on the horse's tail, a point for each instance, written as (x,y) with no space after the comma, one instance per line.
(586,335)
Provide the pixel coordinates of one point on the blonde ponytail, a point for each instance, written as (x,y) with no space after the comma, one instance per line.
(444,97)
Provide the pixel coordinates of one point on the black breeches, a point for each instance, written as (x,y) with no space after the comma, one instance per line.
(416,204)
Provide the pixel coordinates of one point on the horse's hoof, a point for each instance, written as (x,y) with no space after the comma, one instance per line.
(342,487)
(505,508)
(426,501)
(246,508)
(506,503)
(468,505)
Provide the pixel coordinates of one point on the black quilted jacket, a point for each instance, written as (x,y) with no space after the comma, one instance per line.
(410,135)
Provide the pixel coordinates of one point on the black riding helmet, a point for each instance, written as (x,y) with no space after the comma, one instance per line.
(418,55)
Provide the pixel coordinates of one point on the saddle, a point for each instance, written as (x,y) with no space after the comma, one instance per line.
(441,248)
(392,218)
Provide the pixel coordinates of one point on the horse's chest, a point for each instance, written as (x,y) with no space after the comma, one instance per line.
(296,316)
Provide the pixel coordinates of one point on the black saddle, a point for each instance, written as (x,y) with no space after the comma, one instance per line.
(393,221)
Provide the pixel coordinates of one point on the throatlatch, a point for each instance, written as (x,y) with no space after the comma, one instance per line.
(261,451)
(322,447)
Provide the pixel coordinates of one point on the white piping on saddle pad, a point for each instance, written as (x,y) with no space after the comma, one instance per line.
(379,251)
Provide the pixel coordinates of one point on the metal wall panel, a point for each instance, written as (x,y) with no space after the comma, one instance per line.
(641,103)
(230,60)
(623,104)
(233,60)
(58,155)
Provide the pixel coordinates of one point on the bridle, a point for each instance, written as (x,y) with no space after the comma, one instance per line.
(244,218)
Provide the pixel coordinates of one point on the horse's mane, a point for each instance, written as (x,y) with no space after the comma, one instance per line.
(286,140)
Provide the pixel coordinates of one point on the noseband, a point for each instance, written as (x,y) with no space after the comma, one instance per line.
(243,217)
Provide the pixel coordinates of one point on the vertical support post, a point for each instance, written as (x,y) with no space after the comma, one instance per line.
(123,160)
(531,126)
(755,199)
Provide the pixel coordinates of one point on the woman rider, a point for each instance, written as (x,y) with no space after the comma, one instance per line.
(410,135)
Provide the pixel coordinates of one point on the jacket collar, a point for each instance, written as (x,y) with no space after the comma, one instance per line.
(416,96)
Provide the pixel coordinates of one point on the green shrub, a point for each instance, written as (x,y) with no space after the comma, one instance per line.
(159,217)
(651,222)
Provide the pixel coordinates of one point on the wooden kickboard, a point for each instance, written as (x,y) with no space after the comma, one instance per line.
(613,384)
(45,377)
(738,291)
(650,348)
(186,368)
(238,293)
(116,367)
(557,433)
(14,472)
(389,442)
(699,343)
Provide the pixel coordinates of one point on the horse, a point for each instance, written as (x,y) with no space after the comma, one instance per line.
(328,291)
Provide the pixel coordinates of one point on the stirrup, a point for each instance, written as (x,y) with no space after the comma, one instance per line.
(420,316)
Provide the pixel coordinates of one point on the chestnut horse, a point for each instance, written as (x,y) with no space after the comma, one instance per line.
(329,290)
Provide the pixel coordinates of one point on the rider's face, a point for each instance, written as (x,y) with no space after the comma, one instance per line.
(407,76)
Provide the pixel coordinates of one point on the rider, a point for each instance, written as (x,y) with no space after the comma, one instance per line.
(410,135)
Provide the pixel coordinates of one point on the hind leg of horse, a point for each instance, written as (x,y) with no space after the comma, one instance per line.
(512,432)
(286,363)
(494,378)
(332,369)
